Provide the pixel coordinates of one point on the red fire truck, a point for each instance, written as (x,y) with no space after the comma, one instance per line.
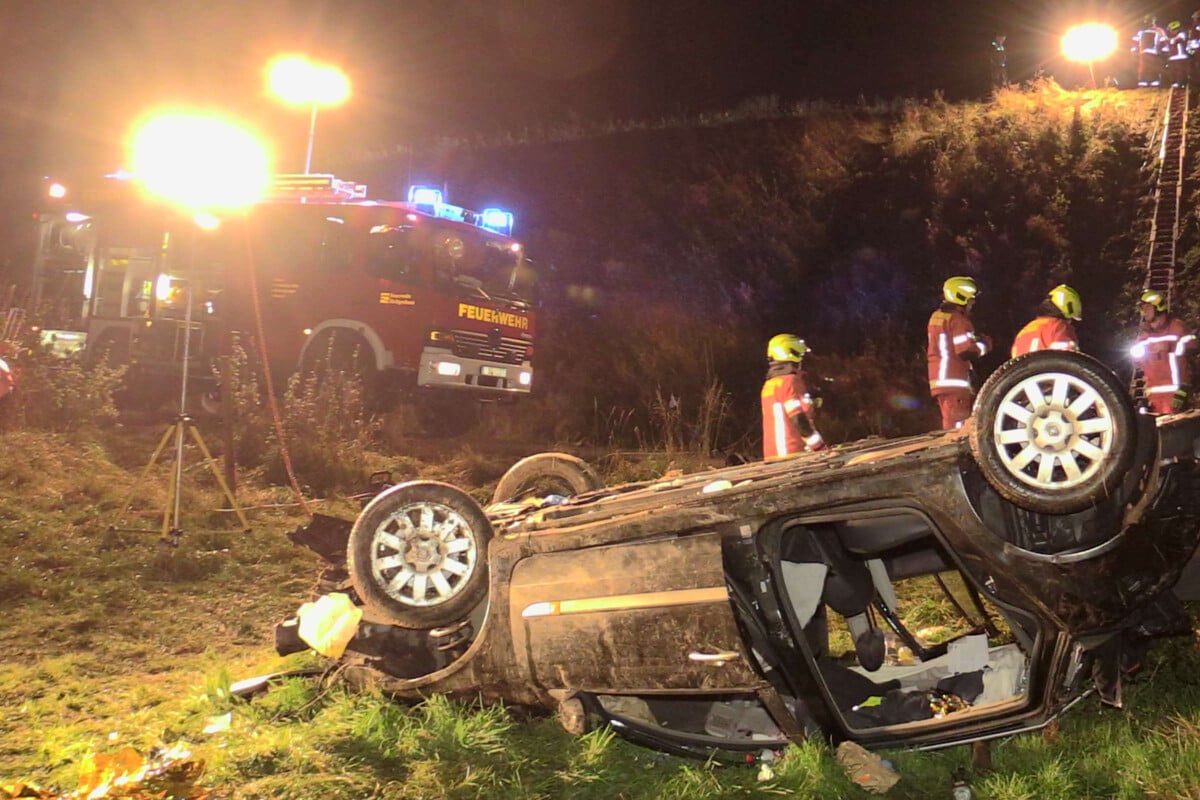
(426,300)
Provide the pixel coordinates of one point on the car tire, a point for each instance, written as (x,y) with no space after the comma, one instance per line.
(1053,432)
(418,554)
(559,472)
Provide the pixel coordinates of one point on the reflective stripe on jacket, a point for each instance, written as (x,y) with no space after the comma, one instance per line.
(1162,355)
(7,381)
(952,339)
(1045,333)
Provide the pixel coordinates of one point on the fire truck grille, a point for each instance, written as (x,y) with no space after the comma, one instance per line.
(470,344)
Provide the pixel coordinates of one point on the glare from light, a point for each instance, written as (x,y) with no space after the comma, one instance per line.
(448,368)
(200,162)
(163,288)
(206,222)
(1090,42)
(76,217)
(57,191)
(296,80)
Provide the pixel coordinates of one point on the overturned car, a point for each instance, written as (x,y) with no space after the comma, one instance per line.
(695,614)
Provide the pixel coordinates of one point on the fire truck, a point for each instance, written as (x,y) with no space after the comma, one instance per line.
(425,300)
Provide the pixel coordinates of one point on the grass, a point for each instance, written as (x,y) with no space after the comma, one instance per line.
(112,639)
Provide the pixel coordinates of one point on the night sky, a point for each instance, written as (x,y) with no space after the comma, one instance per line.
(73,75)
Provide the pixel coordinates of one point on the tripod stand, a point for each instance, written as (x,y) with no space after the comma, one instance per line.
(183,426)
(180,429)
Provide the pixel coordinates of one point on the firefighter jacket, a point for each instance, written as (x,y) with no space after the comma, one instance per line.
(787,409)
(7,381)
(1162,355)
(1045,333)
(1150,39)
(1177,47)
(953,345)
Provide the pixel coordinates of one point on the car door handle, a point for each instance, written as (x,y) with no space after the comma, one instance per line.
(716,659)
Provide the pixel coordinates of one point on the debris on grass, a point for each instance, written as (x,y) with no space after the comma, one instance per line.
(865,768)
(127,775)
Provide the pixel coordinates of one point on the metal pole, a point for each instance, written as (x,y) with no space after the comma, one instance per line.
(181,422)
(312,134)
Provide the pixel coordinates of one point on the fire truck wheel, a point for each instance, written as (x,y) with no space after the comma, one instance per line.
(338,351)
(545,474)
(111,349)
(1053,432)
(418,554)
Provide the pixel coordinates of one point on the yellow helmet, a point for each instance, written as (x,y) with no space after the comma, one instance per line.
(1067,300)
(959,290)
(1155,298)
(786,347)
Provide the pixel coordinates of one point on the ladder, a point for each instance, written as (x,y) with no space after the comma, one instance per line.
(1168,195)
(1168,198)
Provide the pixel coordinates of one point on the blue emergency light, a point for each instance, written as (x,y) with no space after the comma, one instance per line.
(497,219)
(431,201)
(425,198)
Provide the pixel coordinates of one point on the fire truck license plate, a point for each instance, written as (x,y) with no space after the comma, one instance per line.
(494,372)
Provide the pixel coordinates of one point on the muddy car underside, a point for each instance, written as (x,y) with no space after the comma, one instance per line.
(737,609)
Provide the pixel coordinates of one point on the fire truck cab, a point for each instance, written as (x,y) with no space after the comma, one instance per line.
(424,299)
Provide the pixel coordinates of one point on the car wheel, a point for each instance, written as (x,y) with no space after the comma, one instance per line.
(418,554)
(1053,432)
(544,474)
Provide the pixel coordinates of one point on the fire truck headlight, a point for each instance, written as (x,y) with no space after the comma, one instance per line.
(525,378)
(449,369)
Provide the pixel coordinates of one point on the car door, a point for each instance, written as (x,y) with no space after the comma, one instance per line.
(635,617)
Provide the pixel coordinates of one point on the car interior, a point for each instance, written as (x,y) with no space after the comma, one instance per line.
(931,646)
(894,632)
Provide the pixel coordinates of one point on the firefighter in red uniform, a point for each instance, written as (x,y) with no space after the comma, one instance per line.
(8,381)
(953,346)
(787,407)
(1052,328)
(1178,57)
(1162,350)
(1193,47)
(1149,43)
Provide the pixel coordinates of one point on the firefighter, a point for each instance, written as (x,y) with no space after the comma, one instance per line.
(787,407)
(1161,352)
(7,381)
(953,347)
(999,62)
(1178,59)
(1193,46)
(8,378)
(1052,329)
(1148,44)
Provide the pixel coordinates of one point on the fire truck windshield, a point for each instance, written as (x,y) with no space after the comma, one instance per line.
(472,261)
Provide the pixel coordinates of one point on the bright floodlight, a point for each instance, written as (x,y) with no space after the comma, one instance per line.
(1089,42)
(298,81)
(199,162)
